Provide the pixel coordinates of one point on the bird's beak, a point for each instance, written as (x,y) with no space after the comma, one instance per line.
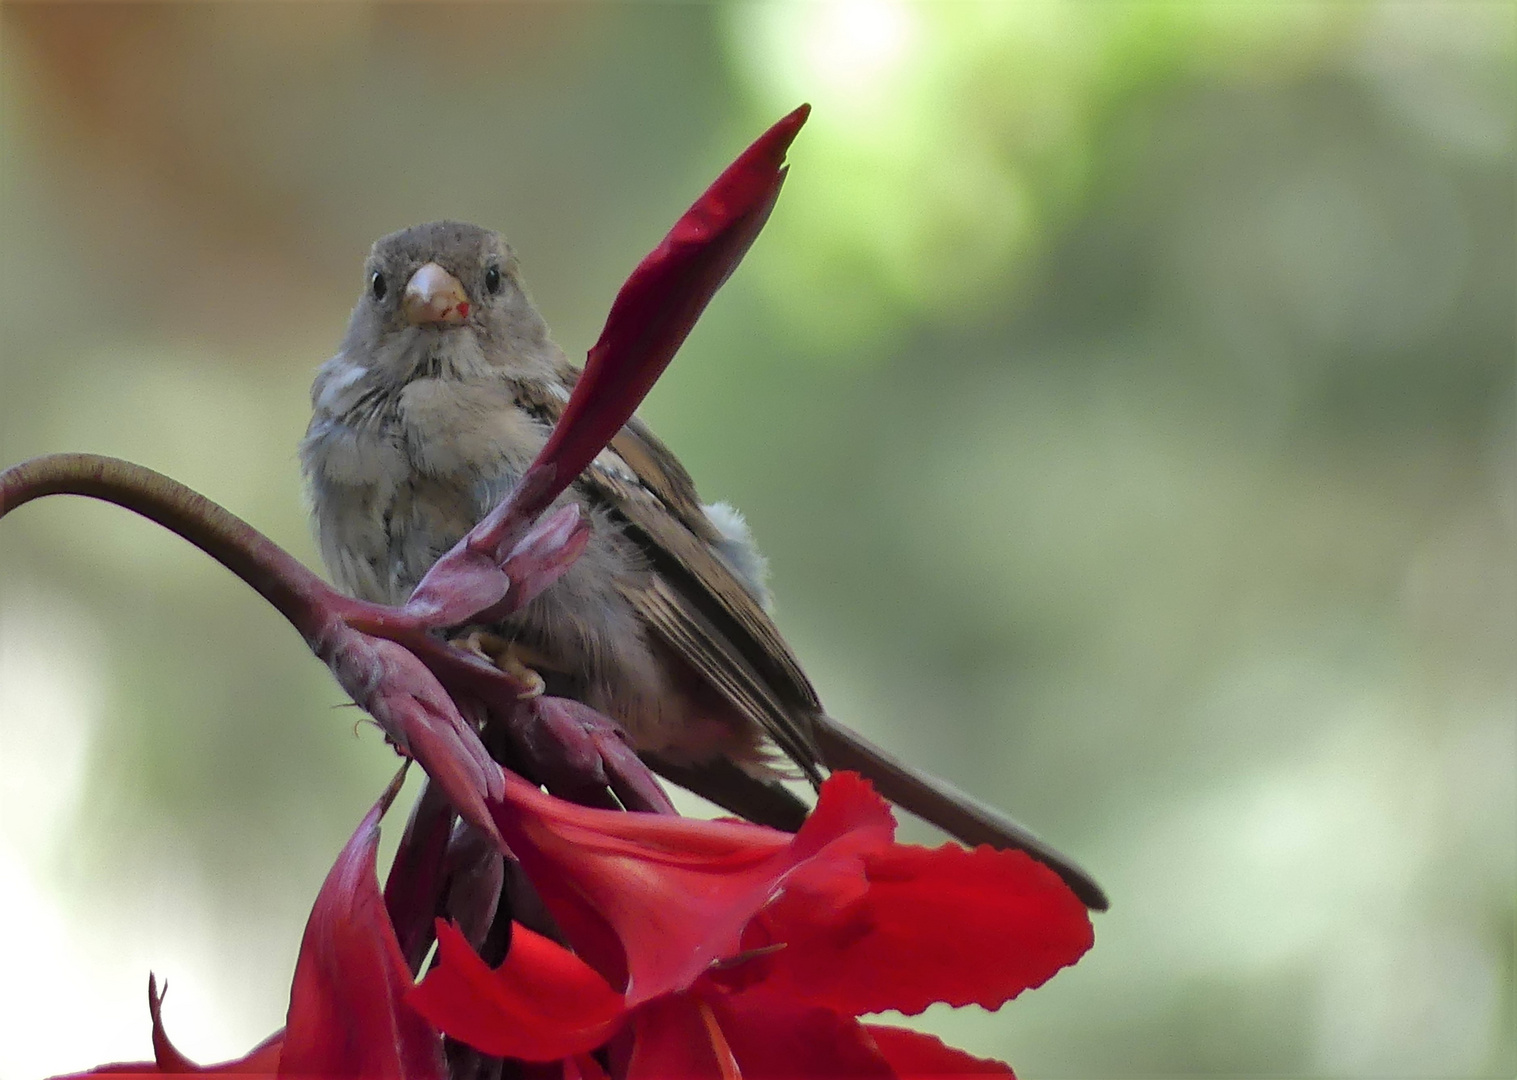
(434,296)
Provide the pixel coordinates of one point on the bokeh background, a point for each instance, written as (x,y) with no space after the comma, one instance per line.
(1123,393)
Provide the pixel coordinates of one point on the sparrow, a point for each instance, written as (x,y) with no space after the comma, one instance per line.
(443,390)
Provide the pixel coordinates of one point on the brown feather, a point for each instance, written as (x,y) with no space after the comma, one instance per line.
(693,601)
(767,802)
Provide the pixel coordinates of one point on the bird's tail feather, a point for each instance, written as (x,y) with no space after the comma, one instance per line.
(945,806)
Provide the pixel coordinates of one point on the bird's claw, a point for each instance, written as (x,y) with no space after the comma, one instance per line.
(510,657)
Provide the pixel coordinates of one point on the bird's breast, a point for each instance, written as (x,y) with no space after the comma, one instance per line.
(464,431)
(395,482)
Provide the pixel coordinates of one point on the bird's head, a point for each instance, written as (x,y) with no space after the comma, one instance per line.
(445,300)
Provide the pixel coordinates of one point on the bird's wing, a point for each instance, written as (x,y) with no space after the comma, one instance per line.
(696,604)
(693,600)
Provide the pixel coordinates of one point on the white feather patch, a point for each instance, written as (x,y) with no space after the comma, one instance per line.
(337,376)
(737,549)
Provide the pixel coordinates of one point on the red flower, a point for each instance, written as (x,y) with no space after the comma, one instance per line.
(720,948)
(348,1011)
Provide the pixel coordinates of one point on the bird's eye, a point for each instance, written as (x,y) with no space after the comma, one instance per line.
(492,279)
(377,285)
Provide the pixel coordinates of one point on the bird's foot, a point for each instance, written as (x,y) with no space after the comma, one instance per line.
(514,659)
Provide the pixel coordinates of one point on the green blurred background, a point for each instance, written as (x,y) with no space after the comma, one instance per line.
(1122,392)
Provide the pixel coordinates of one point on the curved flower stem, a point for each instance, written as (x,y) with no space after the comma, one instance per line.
(297,593)
(341,630)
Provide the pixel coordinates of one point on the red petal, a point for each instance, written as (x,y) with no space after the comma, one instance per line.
(263,1059)
(413,889)
(662,299)
(348,1015)
(778,1038)
(767,1036)
(672,1043)
(915,1056)
(460,584)
(543,556)
(469,584)
(660,898)
(648,899)
(965,927)
(542,1004)
(865,924)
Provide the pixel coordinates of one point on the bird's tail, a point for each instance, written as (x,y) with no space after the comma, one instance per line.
(945,806)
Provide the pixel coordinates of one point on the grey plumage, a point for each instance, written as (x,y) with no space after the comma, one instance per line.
(418,430)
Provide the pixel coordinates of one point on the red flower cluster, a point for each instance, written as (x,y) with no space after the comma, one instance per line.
(659,947)
(723,949)
(701,949)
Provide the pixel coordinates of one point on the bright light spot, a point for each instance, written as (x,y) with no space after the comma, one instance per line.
(853,46)
(78,995)
(49,702)
(848,57)
(55,972)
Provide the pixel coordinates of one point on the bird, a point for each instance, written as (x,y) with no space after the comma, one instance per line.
(443,389)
